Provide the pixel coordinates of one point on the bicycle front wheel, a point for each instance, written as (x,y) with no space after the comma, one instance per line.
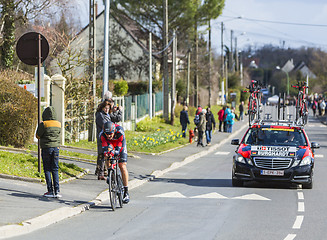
(112,190)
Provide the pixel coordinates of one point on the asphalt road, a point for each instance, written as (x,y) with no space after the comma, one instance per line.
(197,201)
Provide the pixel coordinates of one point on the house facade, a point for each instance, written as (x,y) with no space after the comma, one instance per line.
(128,50)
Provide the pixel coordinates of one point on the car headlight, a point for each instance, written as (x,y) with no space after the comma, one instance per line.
(306,161)
(241,159)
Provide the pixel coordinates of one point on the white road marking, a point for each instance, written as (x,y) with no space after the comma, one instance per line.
(299,187)
(169,195)
(300,195)
(298,222)
(211,195)
(222,153)
(300,207)
(290,237)
(319,155)
(252,197)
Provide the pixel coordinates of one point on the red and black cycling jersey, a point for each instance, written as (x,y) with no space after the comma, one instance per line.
(118,143)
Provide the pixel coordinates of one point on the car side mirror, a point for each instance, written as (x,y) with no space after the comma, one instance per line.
(315,145)
(235,142)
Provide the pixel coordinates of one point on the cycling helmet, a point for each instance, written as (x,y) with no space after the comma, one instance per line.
(109,127)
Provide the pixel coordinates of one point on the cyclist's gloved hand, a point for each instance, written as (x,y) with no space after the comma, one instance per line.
(109,154)
(115,153)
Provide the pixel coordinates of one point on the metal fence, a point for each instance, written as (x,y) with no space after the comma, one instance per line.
(76,121)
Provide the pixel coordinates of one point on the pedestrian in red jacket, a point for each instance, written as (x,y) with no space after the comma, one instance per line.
(221,117)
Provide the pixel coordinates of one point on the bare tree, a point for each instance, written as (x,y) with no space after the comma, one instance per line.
(19,11)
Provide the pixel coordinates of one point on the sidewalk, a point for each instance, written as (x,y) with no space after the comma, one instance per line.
(24,209)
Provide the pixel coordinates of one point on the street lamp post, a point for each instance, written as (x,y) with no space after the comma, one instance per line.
(288,79)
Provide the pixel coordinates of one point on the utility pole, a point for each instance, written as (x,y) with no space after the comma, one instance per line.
(165,62)
(173,79)
(196,80)
(231,52)
(106,48)
(150,75)
(222,58)
(236,56)
(209,104)
(188,77)
(92,66)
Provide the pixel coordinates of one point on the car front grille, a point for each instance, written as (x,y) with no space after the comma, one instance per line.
(272,163)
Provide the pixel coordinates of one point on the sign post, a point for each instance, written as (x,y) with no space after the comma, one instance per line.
(32,49)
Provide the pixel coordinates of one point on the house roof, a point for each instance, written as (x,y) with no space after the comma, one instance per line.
(133,28)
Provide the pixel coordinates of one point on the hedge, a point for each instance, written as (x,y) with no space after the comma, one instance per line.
(18,115)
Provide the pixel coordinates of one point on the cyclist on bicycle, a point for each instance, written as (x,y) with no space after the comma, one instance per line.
(114,144)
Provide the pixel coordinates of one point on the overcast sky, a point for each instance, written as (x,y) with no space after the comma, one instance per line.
(249,21)
(258,33)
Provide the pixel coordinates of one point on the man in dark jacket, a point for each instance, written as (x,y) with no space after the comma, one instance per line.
(184,120)
(49,132)
(210,125)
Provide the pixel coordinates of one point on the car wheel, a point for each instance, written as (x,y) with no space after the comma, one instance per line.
(237,183)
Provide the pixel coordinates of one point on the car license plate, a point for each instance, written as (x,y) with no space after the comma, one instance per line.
(272,172)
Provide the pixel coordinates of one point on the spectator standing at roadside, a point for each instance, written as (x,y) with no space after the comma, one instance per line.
(314,107)
(101,117)
(201,127)
(241,109)
(196,121)
(210,125)
(230,118)
(221,117)
(322,106)
(106,111)
(49,132)
(226,112)
(184,120)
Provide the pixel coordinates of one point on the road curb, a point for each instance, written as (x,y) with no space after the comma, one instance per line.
(59,214)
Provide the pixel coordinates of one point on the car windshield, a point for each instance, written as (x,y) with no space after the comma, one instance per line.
(275,136)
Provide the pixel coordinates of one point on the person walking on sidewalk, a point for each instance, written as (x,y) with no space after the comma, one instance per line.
(221,117)
(114,143)
(184,120)
(48,132)
(210,125)
(201,127)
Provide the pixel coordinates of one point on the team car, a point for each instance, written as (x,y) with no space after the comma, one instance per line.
(274,151)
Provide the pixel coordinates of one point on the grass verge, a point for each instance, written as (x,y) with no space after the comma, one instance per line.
(25,165)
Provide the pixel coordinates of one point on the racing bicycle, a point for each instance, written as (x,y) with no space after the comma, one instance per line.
(301,106)
(254,101)
(115,183)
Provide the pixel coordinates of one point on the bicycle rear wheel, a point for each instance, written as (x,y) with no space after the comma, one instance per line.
(120,190)
(112,189)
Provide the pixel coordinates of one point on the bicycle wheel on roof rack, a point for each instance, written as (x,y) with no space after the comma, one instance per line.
(304,113)
(298,107)
(251,112)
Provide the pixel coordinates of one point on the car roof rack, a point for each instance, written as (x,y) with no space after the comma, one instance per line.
(288,123)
